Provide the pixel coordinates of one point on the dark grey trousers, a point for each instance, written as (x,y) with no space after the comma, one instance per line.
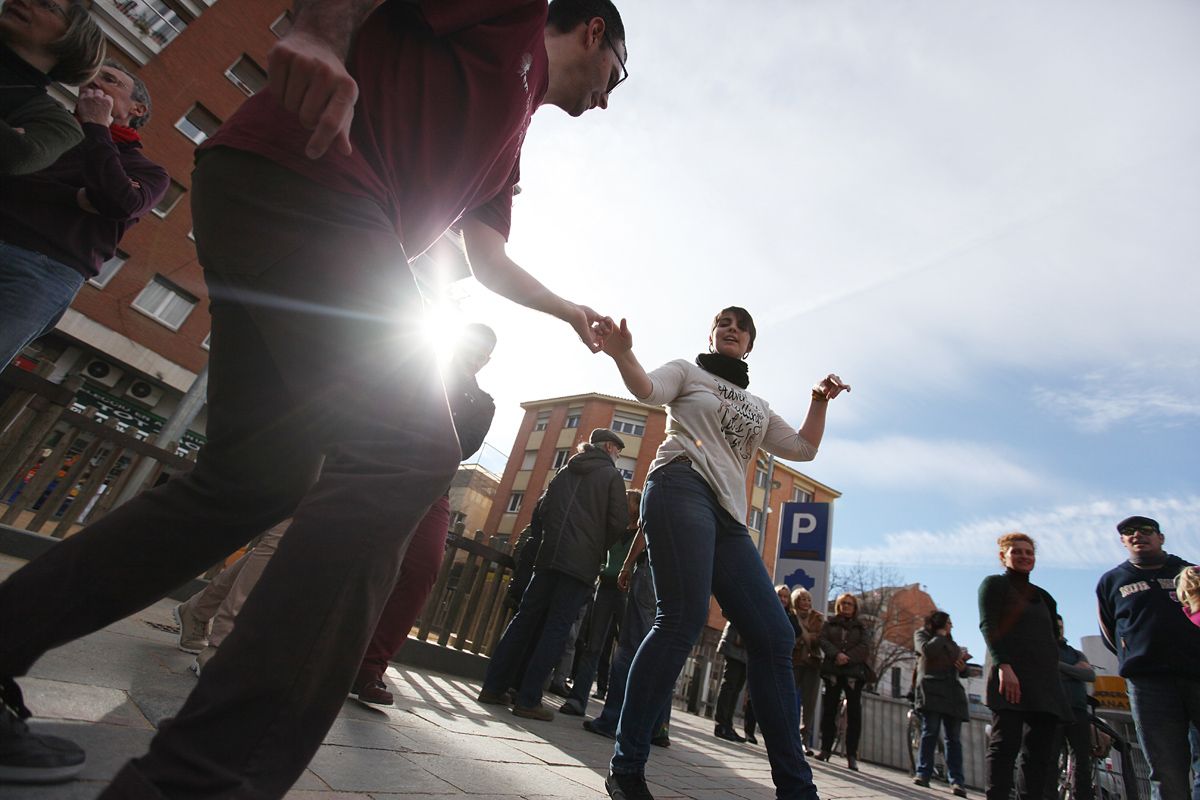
(324,405)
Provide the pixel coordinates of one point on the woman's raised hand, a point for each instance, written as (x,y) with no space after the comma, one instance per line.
(830,386)
(619,340)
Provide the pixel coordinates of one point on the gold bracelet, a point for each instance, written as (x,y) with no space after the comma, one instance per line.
(819,396)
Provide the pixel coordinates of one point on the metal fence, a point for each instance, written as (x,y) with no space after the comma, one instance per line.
(466,609)
(63,463)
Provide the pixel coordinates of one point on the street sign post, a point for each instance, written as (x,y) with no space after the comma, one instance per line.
(805,537)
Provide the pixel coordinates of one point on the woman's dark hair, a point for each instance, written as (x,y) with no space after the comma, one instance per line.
(80,51)
(566,15)
(743,319)
(936,621)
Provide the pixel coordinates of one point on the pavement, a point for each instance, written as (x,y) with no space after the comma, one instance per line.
(110,691)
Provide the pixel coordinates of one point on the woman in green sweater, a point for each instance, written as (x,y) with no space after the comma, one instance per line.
(42,41)
(1023,690)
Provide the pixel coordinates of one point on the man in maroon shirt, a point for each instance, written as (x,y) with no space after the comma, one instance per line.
(324,401)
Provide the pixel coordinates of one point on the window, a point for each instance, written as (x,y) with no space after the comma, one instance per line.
(247,76)
(632,424)
(527,461)
(165,302)
(572,419)
(756,519)
(801,496)
(108,269)
(282,24)
(626,465)
(760,478)
(514,502)
(171,199)
(543,419)
(198,124)
(561,457)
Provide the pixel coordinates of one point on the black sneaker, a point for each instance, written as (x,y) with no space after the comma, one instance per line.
(27,757)
(627,786)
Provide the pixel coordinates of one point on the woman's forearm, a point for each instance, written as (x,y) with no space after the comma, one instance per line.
(635,377)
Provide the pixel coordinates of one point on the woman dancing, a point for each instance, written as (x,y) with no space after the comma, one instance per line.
(694,508)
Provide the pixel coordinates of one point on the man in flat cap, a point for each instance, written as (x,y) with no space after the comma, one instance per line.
(582,514)
(1158,648)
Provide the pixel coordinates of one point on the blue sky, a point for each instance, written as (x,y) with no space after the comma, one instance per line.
(982,216)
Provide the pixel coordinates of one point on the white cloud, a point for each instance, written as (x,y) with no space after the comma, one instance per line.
(949,466)
(1139,394)
(1081,535)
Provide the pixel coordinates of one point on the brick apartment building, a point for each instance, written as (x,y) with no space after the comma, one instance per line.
(138,332)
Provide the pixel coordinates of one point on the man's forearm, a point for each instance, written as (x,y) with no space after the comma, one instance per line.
(334,21)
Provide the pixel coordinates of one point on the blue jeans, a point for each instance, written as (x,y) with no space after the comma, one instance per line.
(697,549)
(554,597)
(35,291)
(639,617)
(1164,708)
(931,722)
(607,608)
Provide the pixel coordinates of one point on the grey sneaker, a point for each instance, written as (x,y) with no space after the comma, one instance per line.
(539,712)
(27,757)
(495,698)
(193,631)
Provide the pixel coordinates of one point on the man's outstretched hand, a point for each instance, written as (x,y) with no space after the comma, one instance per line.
(591,326)
(310,79)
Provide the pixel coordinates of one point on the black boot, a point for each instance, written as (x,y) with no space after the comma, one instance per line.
(727,733)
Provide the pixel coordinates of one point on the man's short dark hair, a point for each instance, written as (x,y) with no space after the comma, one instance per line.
(566,15)
(140,93)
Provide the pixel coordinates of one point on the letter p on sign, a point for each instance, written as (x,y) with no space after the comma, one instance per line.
(802,524)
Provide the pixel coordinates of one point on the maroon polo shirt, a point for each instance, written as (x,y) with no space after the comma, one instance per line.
(446,90)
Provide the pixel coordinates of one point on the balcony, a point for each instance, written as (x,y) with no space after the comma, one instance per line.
(142,28)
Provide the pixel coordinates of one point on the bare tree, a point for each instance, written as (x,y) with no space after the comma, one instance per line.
(892,610)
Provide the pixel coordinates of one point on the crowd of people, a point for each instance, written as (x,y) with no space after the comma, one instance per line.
(338,470)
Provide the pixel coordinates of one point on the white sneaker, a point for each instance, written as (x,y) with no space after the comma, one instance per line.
(193,631)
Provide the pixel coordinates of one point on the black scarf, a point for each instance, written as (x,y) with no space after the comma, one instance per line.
(731,369)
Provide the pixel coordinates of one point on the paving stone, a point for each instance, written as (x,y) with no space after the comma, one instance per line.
(80,701)
(352,769)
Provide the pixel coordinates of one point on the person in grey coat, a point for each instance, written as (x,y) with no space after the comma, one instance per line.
(940,698)
(581,516)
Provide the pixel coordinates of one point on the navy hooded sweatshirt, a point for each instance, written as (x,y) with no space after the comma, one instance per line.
(1143,622)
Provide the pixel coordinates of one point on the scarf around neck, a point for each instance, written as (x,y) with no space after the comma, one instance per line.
(731,369)
(123,133)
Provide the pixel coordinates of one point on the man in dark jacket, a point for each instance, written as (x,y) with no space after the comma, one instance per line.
(57,226)
(582,515)
(1158,649)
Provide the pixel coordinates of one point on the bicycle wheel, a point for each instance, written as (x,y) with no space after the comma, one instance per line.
(914,740)
(1065,772)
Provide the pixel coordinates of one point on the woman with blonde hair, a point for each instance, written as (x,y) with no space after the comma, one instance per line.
(42,41)
(844,640)
(806,662)
(1024,692)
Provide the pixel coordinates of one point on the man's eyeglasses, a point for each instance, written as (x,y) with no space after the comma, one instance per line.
(613,82)
(51,7)
(1132,531)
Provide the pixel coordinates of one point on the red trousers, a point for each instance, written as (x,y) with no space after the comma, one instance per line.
(418,573)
